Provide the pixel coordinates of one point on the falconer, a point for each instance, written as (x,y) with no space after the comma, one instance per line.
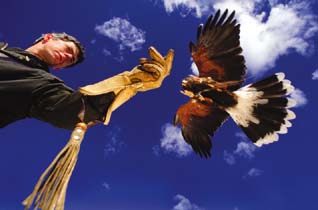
(29,90)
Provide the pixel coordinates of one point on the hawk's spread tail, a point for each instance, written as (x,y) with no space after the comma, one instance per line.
(262,109)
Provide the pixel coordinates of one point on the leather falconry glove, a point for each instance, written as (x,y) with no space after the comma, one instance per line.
(148,75)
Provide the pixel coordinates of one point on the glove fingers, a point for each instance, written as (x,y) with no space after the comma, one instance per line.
(156,56)
(155,63)
(142,60)
(169,59)
(148,66)
(152,68)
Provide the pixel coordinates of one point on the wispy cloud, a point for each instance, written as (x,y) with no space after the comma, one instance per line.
(229,158)
(265,36)
(315,75)
(185,204)
(185,7)
(243,149)
(106,52)
(241,136)
(300,97)
(156,150)
(172,141)
(123,32)
(254,172)
(106,186)
(114,144)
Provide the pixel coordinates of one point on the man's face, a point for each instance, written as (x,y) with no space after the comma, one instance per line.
(58,53)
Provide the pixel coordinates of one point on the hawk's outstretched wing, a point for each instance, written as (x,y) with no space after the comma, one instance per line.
(218,51)
(199,121)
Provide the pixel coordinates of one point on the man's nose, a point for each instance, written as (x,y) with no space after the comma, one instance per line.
(68,56)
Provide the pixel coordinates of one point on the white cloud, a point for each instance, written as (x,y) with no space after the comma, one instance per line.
(285,30)
(194,69)
(172,141)
(185,204)
(229,158)
(265,36)
(254,172)
(122,31)
(315,75)
(300,97)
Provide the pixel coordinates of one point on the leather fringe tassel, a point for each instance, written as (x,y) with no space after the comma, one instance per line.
(50,191)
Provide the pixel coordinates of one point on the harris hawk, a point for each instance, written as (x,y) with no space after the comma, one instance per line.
(259,109)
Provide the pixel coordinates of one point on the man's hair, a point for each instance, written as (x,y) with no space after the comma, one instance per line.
(65,37)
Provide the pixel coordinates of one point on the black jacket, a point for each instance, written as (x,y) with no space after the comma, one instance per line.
(28,89)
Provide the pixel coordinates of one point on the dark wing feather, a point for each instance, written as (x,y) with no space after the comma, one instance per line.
(198,122)
(218,51)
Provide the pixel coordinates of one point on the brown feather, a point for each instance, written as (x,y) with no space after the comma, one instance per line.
(206,66)
(199,120)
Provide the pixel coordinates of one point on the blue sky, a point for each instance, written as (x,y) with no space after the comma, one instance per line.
(140,161)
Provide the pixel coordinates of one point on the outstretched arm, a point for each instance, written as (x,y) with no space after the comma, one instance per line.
(147,76)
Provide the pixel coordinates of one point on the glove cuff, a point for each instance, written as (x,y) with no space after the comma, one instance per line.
(96,106)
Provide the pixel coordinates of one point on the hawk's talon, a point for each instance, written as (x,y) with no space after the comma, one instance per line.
(187,93)
(201,98)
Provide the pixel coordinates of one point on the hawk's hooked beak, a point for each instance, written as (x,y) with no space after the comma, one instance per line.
(211,85)
(184,82)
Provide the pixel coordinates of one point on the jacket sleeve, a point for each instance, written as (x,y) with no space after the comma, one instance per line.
(60,105)
(56,104)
